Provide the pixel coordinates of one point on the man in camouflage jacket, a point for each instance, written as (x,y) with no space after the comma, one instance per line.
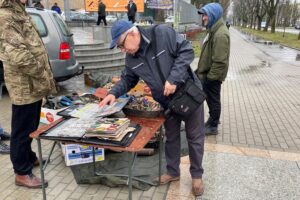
(28,79)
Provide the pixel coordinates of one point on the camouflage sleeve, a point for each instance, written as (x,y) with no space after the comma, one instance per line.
(17,54)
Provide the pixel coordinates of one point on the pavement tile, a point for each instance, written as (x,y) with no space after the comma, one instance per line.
(113,192)
(122,196)
(162,188)
(76,195)
(59,187)
(92,189)
(63,196)
(87,197)
(100,194)
(73,185)
(149,193)
(158,196)
(145,198)
(136,194)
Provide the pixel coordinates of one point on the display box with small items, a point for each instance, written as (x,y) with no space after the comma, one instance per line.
(141,102)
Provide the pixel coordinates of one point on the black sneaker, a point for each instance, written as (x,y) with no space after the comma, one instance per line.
(4,148)
(211,130)
(208,122)
(5,136)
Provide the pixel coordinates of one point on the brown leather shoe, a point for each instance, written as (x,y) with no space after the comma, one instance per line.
(197,186)
(166,178)
(30,181)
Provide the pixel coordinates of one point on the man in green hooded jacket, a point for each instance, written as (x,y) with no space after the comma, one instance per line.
(213,63)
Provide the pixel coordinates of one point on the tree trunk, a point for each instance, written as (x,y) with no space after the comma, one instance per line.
(299,36)
(267,24)
(273,24)
(259,19)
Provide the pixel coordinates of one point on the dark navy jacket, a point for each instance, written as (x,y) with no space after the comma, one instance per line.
(174,54)
(131,10)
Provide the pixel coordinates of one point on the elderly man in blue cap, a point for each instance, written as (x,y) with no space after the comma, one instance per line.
(175,55)
(214,61)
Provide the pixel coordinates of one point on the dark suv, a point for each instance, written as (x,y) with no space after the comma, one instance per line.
(58,41)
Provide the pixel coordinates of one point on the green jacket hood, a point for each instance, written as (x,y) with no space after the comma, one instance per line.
(216,26)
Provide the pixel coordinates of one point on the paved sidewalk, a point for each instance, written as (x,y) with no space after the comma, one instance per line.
(256,155)
(260,100)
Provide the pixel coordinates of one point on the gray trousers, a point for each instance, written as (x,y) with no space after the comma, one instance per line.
(194,127)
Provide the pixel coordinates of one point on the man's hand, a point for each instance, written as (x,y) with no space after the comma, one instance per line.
(169,89)
(109,99)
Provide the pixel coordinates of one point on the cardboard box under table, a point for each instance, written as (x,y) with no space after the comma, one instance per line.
(149,126)
(76,154)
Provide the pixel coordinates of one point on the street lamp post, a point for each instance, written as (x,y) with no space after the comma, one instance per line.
(67,10)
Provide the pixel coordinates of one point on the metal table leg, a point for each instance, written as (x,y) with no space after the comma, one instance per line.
(131,159)
(94,161)
(41,168)
(160,153)
(48,159)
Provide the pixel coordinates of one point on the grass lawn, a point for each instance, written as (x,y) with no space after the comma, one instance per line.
(197,48)
(290,40)
(196,41)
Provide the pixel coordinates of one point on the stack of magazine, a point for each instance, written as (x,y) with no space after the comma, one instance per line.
(109,128)
(89,123)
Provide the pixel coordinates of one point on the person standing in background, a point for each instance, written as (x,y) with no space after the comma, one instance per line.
(213,63)
(28,79)
(131,11)
(38,4)
(101,13)
(56,8)
(228,24)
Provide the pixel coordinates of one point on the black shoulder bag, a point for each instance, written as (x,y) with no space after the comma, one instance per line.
(187,98)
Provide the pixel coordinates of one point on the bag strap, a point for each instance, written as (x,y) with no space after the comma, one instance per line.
(162,78)
(154,43)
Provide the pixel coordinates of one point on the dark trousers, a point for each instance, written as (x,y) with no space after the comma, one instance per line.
(131,18)
(100,18)
(213,92)
(194,127)
(25,119)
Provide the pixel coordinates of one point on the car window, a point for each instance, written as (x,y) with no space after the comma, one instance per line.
(39,23)
(62,25)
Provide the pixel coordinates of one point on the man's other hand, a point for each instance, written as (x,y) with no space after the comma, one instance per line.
(169,89)
(109,99)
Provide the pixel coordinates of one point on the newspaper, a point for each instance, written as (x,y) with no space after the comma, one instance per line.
(73,127)
(92,110)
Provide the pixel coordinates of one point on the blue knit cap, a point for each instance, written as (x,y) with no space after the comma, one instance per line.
(119,27)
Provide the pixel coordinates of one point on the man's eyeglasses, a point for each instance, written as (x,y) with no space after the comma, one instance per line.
(121,46)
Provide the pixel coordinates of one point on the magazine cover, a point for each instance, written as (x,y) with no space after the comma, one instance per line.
(92,110)
(114,108)
(107,127)
(73,128)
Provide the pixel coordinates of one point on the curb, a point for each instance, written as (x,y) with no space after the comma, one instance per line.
(268,41)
